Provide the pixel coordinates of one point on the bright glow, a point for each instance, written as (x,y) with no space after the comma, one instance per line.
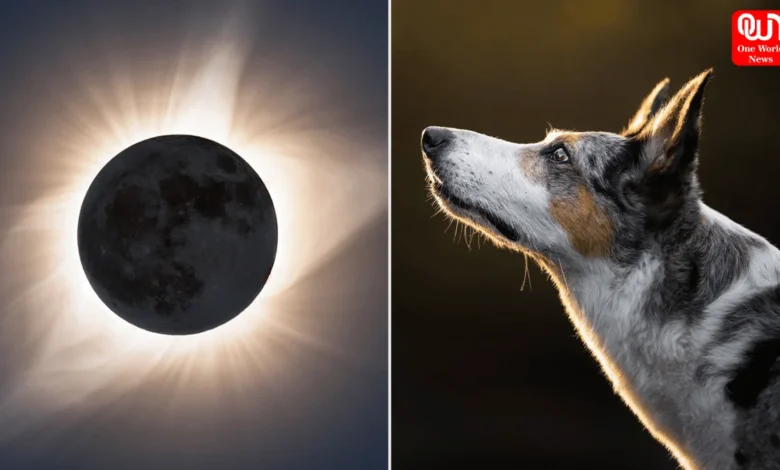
(79,350)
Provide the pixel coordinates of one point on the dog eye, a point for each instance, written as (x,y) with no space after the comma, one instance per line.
(559,155)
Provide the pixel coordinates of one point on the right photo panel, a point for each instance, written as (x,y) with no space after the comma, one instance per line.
(584,230)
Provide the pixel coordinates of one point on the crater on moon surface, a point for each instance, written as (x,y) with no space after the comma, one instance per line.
(177,234)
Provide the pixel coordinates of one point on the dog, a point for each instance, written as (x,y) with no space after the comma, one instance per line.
(679,304)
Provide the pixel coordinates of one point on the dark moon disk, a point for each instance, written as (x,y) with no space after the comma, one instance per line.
(177,234)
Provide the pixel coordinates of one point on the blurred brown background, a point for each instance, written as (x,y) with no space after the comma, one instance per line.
(486,375)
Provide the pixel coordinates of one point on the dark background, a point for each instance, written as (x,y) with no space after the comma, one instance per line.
(309,392)
(486,375)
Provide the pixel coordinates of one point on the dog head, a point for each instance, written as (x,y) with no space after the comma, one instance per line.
(583,194)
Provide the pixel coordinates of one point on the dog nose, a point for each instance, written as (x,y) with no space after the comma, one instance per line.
(434,139)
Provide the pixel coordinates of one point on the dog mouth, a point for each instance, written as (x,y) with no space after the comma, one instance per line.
(458,203)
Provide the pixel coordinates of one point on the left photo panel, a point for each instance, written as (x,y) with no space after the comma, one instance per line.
(194,235)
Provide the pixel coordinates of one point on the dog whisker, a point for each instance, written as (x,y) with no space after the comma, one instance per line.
(526,274)
(563,275)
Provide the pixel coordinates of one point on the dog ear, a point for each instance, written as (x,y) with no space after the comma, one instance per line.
(671,138)
(649,107)
(667,152)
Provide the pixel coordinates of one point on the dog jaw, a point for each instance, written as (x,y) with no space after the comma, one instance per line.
(587,225)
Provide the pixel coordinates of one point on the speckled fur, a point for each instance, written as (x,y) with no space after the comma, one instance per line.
(679,304)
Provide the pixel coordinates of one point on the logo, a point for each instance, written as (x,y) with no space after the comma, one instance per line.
(755,37)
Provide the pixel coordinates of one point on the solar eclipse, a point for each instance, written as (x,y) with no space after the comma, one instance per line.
(177,234)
